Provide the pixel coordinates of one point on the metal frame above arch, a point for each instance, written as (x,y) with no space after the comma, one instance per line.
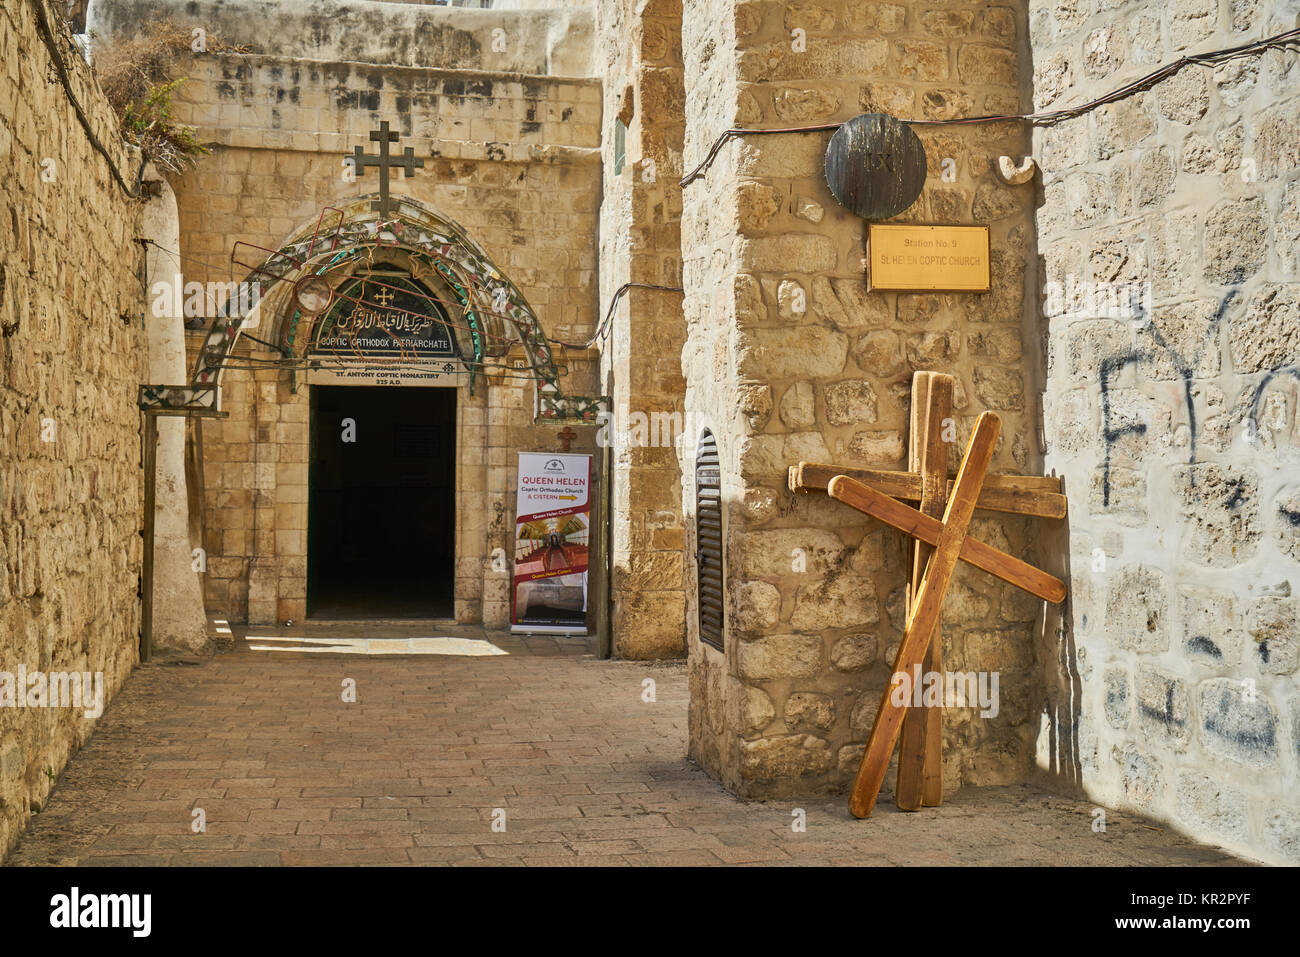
(340,240)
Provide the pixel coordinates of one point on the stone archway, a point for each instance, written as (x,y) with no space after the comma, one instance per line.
(493,312)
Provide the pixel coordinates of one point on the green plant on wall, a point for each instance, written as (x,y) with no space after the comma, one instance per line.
(140,75)
(149,125)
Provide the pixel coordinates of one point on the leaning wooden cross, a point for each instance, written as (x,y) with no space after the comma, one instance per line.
(939,527)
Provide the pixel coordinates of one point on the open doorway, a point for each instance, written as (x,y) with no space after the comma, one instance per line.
(381,502)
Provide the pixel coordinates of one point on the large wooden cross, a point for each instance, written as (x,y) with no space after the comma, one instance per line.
(939,527)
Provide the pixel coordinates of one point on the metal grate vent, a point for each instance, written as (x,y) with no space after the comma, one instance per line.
(708,539)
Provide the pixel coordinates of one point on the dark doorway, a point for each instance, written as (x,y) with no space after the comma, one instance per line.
(382,502)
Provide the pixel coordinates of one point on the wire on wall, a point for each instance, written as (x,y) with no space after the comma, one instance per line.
(609,313)
(1287,38)
(47,36)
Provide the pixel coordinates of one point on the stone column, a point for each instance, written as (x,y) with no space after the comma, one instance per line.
(643,129)
(1170,280)
(179,622)
(789,356)
(501,463)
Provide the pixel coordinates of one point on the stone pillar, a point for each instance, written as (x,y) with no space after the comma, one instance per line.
(1170,231)
(179,622)
(268,541)
(476,566)
(789,357)
(643,128)
(499,500)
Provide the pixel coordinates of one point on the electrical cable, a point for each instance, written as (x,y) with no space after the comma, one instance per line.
(1047,118)
(47,36)
(609,313)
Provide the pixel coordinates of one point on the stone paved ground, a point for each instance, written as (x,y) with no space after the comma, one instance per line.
(287,773)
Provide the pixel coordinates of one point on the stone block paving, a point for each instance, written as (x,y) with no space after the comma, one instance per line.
(288,773)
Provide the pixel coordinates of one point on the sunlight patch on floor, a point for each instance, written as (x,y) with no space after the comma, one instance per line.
(463,647)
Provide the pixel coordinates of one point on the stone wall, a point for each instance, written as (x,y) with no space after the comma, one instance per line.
(557,42)
(789,358)
(1175,424)
(640,241)
(72,351)
(512,158)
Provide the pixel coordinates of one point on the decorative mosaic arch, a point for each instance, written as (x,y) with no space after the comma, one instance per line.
(496,313)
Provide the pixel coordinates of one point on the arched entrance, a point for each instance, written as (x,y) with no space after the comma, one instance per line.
(384,369)
(486,314)
(373,397)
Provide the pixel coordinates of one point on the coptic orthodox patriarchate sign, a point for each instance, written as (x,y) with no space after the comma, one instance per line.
(384,330)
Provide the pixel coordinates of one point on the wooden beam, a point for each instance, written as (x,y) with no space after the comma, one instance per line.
(926,610)
(1037,495)
(904,518)
(920,745)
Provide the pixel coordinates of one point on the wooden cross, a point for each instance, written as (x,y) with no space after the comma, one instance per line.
(407,161)
(566,436)
(939,527)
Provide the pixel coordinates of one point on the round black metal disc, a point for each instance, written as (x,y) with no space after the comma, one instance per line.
(875,166)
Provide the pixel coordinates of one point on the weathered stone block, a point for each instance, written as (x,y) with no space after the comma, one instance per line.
(809,709)
(887,98)
(1209,624)
(847,305)
(874,17)
(757,204)
(1184,97)
(839,602)
(1222,505)
(921,60)
(1237,722)
(1140,777)
(1164,708)
(787,551)
(798,406)
(1286,522)
(1282,832)
(1276,630)
(999,387)
(850,402)
(987,65)
(794,353)
(1118,710)
(754,709)
(878,353)
(779,656)
(1137,610)
(1211,804)
(1264,335)
(854,652)
(755,606)
(804,105)
(754,400)
(1277,141)
(1236,237)
(783,757)
(876,448)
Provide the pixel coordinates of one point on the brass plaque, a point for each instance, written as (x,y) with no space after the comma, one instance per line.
(928,258)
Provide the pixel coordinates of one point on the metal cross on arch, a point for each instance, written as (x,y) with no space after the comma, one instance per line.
(384,162)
